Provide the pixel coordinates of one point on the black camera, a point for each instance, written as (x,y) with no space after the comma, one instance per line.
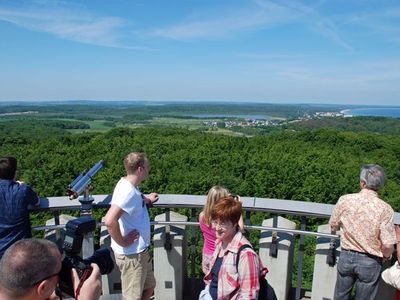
(75,231)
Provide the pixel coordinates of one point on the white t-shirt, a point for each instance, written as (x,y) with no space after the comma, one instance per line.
(135,216)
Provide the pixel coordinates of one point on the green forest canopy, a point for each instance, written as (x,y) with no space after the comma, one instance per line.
(315,165)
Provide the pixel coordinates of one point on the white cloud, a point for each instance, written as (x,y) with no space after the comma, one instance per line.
(226,23)
(218,27)
(68,24)
(316,21)
(262,14)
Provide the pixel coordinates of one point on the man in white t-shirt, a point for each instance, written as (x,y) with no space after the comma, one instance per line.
(128,223)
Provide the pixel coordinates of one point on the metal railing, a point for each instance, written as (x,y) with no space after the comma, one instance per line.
(275,207)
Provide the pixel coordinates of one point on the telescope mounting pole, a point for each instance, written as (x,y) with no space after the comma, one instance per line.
(86,210)
(86,203)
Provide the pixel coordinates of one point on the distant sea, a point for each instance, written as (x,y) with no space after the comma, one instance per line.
(391,112)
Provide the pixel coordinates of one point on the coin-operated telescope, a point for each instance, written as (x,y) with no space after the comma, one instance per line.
(81,184)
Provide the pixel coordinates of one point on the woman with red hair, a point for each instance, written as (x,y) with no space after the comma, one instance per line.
(226,279)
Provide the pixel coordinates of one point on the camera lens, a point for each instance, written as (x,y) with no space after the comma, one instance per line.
(102,258)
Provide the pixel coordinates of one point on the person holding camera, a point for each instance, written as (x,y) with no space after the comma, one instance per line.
(15,198)
(128,223)
(368,236)
(29,271)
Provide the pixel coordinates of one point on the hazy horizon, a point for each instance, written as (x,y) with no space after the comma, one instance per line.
(214,102)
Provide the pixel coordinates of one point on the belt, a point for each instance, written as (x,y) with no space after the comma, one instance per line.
(145,250)
(364,253)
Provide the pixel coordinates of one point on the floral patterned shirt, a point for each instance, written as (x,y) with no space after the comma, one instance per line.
(366,222)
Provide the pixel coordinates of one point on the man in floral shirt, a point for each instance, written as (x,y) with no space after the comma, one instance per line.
(367,237)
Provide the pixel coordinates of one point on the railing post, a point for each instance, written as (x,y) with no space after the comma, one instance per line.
(111,283)
(59,238)
(300,257)
(193,254)
(169,265)
(247,218)
(273,248)
(280,266)
(167,229)
(324,278)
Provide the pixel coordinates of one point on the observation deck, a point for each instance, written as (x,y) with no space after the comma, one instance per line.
(290,244)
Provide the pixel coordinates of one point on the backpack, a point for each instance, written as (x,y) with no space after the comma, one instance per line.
(266,290)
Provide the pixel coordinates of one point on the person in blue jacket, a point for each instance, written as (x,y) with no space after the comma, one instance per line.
(15,199)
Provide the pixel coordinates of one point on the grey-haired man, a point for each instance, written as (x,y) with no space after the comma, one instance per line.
(367,238)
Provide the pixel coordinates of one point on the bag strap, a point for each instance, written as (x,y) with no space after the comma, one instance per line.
(238,254)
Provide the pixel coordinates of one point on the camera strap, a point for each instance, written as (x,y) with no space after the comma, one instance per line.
(85,275)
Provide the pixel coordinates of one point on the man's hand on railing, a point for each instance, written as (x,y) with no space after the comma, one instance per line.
(150,199)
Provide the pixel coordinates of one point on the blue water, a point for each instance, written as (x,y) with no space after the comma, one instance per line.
(392,112)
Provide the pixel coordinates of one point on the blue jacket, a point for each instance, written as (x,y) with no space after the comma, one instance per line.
(15,198)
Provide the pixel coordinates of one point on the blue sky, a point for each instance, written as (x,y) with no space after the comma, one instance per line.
(284,51)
